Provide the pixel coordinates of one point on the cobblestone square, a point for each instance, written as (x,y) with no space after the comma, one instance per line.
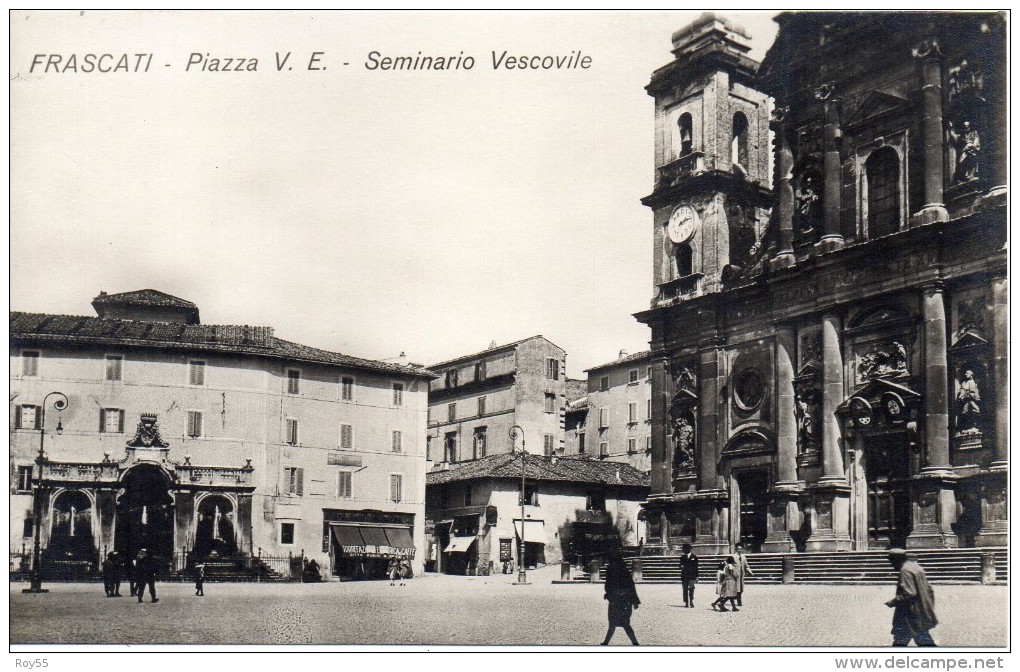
(486,611)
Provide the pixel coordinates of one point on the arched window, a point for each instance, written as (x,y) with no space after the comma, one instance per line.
(883,171)
(686,134)
(684,261)
(738,148)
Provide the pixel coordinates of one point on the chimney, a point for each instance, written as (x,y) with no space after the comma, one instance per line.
(402,358)
(618,479)
(492,346)
(623,353)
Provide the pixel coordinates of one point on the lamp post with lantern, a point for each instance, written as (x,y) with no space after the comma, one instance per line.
(522,574)
(60,403)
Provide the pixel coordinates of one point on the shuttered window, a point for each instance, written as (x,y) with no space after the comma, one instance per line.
(293,381)
(26,416)
(396,487)
(196,372)
(396,446)
(111,420)
(114,368)
(194,423)
(398,394)
(30,363)
(549,443)
(347,437)
(344,489)
(632,412)
(292,431)
(294,480)
(552,368)
(347,388)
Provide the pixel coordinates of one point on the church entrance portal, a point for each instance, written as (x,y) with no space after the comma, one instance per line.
(754,487)
(886,468)
(145,514)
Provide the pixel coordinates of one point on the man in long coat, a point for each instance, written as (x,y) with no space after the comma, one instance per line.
(688,574)
(914,602)
(743,570)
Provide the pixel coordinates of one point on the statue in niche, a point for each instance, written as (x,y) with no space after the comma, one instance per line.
(807,197)
(683,445)
(966,140)
(968,404)
(809,412)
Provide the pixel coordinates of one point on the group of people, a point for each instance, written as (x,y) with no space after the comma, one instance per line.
(141,572)
(399,569)
(914,602)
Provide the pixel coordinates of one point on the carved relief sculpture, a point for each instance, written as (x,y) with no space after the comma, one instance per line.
(883,360)
(683,445)
(147,434)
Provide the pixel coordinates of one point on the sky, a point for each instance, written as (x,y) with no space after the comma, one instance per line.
(369,212)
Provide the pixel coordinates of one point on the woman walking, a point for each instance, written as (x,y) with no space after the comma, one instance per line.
(622,596)
(726,584)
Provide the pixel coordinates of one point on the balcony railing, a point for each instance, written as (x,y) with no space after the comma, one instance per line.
(685,166)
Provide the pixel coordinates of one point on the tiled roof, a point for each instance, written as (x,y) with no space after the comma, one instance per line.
(76,330)
(540,468)
(482,353)
(579,404)
(143,297)
(623,360)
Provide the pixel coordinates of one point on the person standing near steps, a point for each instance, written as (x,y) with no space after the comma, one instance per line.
(743,571)
(688,574)
(622,596)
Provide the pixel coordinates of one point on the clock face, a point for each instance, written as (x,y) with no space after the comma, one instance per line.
(682,224)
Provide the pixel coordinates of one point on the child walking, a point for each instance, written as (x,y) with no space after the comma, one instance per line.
(726,585)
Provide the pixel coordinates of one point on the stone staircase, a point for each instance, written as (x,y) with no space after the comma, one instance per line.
(961,565)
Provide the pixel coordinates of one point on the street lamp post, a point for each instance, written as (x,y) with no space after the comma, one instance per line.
(522,574)
(60,403)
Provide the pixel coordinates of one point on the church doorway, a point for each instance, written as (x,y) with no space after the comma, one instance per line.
(754,493)
(214,534)
(71,535)
(145,514)
(887,470)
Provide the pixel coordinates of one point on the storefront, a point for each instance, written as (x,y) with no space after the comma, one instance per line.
(535,540)
(361,544)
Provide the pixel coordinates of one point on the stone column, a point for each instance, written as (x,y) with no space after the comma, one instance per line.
(242,523)
(830,528)
(1000,354)
(930,54)
(106,505)
(784,189)
(709,408)
(832,233)
(783,512)
(662,456)
(934,492)
(184,519)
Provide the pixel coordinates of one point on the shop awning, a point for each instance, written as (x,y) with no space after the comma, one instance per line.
(370,541)
(459,544)
(534,531)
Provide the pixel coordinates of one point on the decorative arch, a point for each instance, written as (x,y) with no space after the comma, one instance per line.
(215,526)
(750,441)
(685,125)
(880,315)
(739,153)
(72,526)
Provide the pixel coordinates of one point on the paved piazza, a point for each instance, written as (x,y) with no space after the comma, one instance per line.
(486,611)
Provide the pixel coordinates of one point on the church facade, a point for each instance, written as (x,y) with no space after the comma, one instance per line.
(829,319)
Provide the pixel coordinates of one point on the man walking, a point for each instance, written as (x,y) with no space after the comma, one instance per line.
(146,569)
(914,602)
(688,574)
(743,570)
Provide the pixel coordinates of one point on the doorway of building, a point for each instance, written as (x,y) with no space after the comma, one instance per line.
(754,492)
(71,537)
(214,533)
(887,470)
(145,514)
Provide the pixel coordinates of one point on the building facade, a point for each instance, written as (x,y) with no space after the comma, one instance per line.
(477,399)
(202,441)
(573,510)
(616,425)
(829,358)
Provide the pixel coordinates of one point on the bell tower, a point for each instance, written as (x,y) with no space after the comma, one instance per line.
(712,167)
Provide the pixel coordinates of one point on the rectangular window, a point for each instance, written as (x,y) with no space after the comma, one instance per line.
(450,447)
(196,372)
(293,381)
(398,394)
(595,501)
(549,444)
(604,383)
(30,363)
(530,496)
(603,449)
(25,479)
(631,446)
(451,378)
(648,443)
(648,374)
(480,442)
(632,412)
(396,488)
(467,495)
(481,405)
(451,412)
(111,420)
(287,534)
(347,388)
(292,431)
(552,368)
(396,447)
(28,529)
(603,418)
(648,410)
(26,416)
(114,368)
(344,485)
(632,377)
(580,443)
(480,371)
(294,481)
(194,424)
(550,403)
(346,437)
